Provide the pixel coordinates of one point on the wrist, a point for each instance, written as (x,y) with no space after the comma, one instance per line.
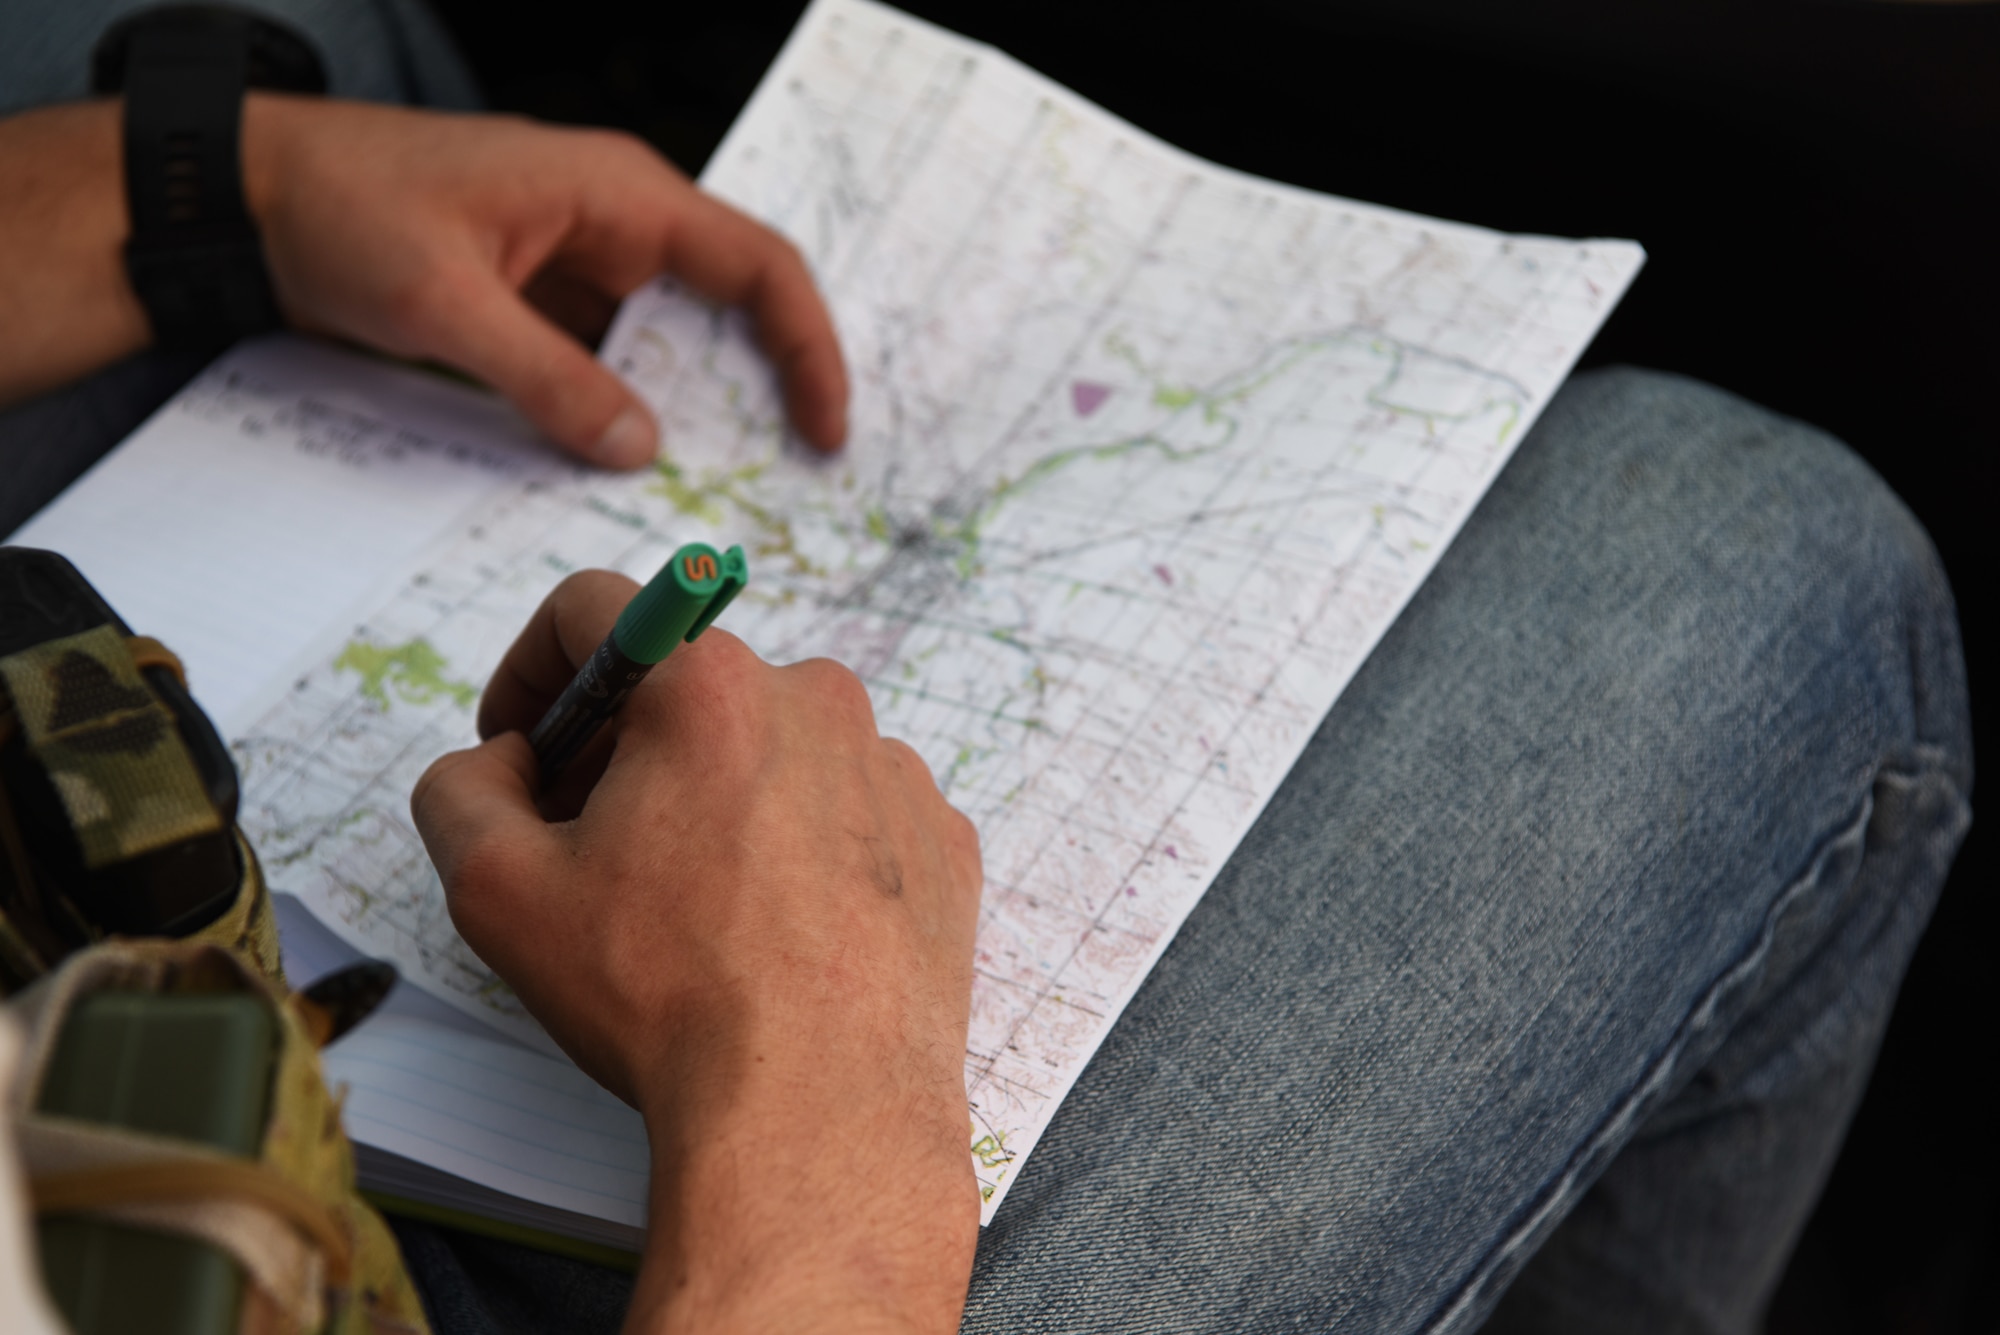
(755,1235)
(195,256)
(777,1205)
(272,127)
(68,306)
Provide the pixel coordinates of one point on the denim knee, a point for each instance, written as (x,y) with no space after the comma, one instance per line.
(1787,525)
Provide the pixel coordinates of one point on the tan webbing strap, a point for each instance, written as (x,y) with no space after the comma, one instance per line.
(110,748)
(146,652)
(192,1180)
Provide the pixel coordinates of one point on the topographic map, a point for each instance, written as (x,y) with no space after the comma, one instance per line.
(1145,457)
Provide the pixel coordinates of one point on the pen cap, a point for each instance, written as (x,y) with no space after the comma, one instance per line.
(679,602)
(735,574)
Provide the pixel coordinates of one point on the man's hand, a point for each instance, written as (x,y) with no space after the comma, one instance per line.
(417,232)
(757,928)
(487,243)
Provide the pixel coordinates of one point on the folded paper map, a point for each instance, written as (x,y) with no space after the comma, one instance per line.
(1145,457)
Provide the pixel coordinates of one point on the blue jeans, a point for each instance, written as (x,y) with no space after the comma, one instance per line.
(1560,960)
(1543,991)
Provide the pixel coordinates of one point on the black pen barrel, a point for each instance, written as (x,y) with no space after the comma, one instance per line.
(592,696)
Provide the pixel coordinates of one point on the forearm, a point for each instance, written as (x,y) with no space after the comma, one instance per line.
(788,1194)
(66,308)
(747,1234)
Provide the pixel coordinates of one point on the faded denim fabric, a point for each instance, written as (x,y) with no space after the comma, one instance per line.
(1575,928)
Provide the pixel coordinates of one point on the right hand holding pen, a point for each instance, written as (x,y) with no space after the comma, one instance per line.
(758,929)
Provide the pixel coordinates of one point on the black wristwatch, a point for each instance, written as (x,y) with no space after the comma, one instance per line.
(195,259)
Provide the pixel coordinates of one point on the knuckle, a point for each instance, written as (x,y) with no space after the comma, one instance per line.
(590,588)
(425,793)
(722,665)
(421,306)
(839,691)
(785,252)
(783,270)
(719,681)
(575,585)
(622,155)
(731,647)
(965,837)
(422,791)
(618,144)
(915,770)
(409,303)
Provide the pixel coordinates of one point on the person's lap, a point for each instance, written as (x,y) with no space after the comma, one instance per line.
(1604,870)
(1619,842)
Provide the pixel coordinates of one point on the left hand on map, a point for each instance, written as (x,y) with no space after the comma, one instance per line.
(756,925)
(491,243)
(488,243)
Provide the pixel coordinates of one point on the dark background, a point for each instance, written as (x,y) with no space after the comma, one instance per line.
(1815,184)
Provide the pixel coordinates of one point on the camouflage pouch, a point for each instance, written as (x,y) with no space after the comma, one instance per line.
(313,1255)
(108,813)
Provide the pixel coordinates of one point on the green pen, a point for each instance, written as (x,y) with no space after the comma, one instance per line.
(676,605)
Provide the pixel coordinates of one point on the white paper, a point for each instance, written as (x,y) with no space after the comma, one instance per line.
(1146,457)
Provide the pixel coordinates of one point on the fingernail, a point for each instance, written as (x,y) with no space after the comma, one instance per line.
(628,442)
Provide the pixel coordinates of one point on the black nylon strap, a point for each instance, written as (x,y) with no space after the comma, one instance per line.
(194,258)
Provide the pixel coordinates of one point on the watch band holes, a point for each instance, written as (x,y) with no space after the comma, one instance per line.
(182,184)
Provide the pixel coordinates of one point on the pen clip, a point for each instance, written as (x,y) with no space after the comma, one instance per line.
(735,574)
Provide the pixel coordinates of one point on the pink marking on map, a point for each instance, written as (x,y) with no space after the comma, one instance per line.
(1087,396)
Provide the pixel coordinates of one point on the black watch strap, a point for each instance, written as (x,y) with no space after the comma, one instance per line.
(194,258)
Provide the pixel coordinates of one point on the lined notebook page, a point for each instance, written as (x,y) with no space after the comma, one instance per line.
(279,490)
(495,1113)
(430,1084)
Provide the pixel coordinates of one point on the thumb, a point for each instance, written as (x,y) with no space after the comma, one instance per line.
(496,336)
(476,809)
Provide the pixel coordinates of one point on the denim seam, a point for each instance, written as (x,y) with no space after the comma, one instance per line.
(1588,1160)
